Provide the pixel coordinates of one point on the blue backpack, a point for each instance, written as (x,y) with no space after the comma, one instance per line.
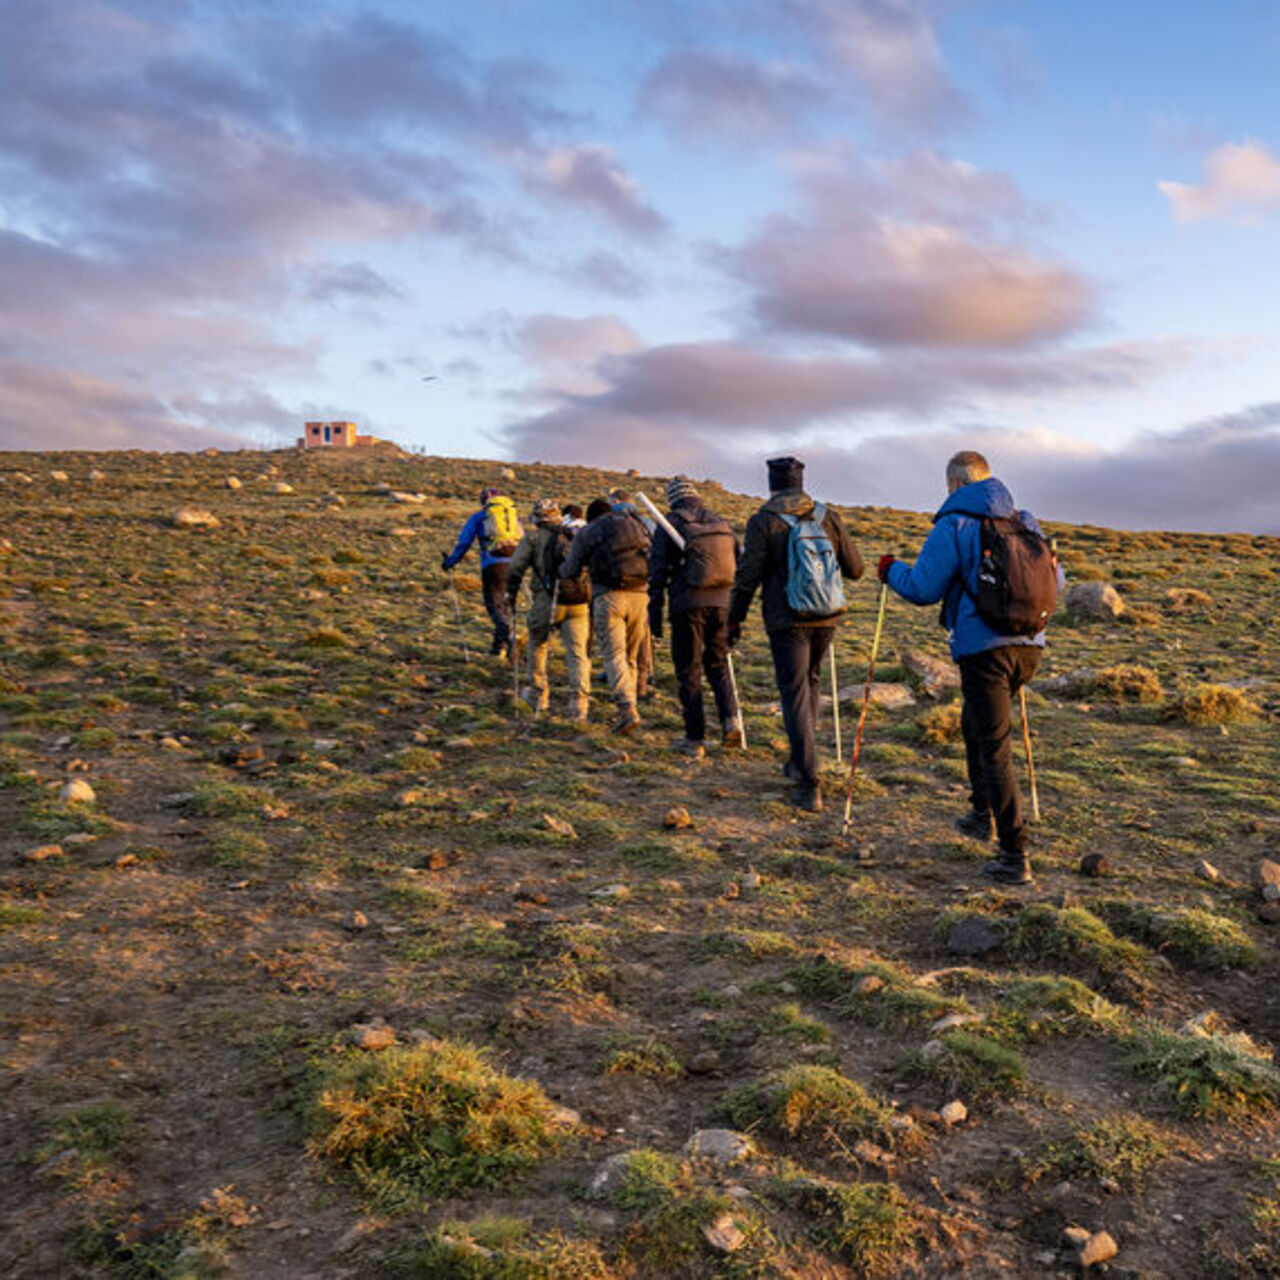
(814,585)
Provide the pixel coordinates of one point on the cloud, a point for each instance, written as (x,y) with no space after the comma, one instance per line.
(568,350)
(701,93)
(1242,182)
(923,253)
(351,281)
(607,273)
(890,52)
(590,178)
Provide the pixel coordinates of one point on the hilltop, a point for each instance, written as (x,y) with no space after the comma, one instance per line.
(317,826)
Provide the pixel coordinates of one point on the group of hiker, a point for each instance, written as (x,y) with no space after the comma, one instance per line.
(607,575)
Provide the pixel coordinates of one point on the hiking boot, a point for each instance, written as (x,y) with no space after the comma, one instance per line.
(807,798)
(732,739)
(689,747)
(627,722)
(1008,868)
(977,826)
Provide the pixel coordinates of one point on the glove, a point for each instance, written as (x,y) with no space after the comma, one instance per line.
(734,633)
(882,569)
(444,561)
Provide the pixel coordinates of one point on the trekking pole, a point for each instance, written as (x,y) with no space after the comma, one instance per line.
(733,688)
(835,701)
(862,718)
(515,656)
(551,626)
(457,613)
(1031,764)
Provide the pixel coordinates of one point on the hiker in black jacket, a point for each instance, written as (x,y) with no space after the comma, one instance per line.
(798,640)
(696,581)
(614,548)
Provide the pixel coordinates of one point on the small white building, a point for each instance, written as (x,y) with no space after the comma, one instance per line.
(333,435)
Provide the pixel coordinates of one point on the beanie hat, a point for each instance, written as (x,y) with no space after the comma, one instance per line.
(785,473)
(486,494)
(546,511)
(679,488)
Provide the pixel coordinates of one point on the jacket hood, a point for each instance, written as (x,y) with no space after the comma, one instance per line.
(982,498)
(790,502)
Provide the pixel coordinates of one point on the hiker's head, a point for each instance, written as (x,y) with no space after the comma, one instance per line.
(486,494)
(679,488)
(573,512)
(785,473)
(966,467)
(598,507)
(619,497)
(546,511)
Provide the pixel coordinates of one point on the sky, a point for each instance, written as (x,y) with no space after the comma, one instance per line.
(676,235)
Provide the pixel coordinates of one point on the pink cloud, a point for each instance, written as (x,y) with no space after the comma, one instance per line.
(591,179)
(1241,182)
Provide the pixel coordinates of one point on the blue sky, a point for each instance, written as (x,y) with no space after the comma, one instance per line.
(675,236)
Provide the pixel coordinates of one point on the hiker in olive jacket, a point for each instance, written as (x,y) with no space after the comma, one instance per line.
(696,582)
(554,605)
(614,548)
(798,644)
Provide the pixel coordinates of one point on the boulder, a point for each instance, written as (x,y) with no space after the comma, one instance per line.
(77,791)
(720,1146)
(233,482)
(677,818)
(194,518)
(935,676)
(1095,600)
(955,1112)
(974,936)
(724,1235)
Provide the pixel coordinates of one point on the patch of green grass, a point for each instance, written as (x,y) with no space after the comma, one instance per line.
(14,914)
(410,1124)
(1123,1147)
(813,1102)
(1039,1007)
(1209,704)
(1189,935)
(748,944)
(872,1226)
(640,1056)
(1076,937)
(224,799)
(790,1023)
(494,1248)
(969,1065)
(1208,1077)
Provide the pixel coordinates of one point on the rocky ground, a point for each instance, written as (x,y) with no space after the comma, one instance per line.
(279,856)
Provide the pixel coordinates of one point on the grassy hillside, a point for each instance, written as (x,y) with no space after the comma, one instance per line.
(348,969)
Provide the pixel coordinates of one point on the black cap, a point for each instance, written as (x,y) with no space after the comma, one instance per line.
(785,473)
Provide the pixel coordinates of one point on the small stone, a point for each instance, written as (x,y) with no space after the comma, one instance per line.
(609,1176)
(373,1035)
(42,853)
(974,936)
(869,1153)
(78,791)
(955,1112)
(459,744)
(677,818)
(194,518)
(932,1050)
(720,1146)
(1095,600)
(281,487)
(1075,1237)
(1271,892)
(704,1063)
(1265,873)
(171,744)
(611,891)
(79,837)
(732,991)
(1207,871)
(724,1235)
(1109,1185)
(1269,913)
(1094,864)
(752,879)
(559,826)
(408,798)
(356,921)
(233,482)
(565,1117)
(1099,1247)
(868,984)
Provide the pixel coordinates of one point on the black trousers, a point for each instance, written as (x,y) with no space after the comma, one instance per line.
(700,643)
(493,578)
(797,666)
(989,682)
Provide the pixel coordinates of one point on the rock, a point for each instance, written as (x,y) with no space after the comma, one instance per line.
(42,853)
(868,984)
(1095,600)
(559,826)
(409,797)
(724,1235)
(1094,864)
(1265,873)
(565,1117)
(507,473)
(79,837)
(233,483)
(720,1146)
(1269,913)
(373,1035)
(932,1050)
(869,1153)
(609,1176)
(1271,892)
(1207,871)
(60,476)
(171,744)
(955,1112)
(356,921)
(96,476)
(935,676)
(1099,1247)
(403,499)
(459,744)
(281,487)
(611,891)
(974,936)
(1075,1237)
(677,818)
(77,791)
(194,518)
(891,696)
(704,1063)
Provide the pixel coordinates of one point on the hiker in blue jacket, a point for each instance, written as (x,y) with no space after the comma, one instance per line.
(494,558)
(993,666)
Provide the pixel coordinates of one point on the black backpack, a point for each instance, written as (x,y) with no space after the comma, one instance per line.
(620,561)
(1017,578)
(569,590)
(709,547)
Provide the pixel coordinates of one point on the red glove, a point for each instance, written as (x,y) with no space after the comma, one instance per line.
(882,569)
